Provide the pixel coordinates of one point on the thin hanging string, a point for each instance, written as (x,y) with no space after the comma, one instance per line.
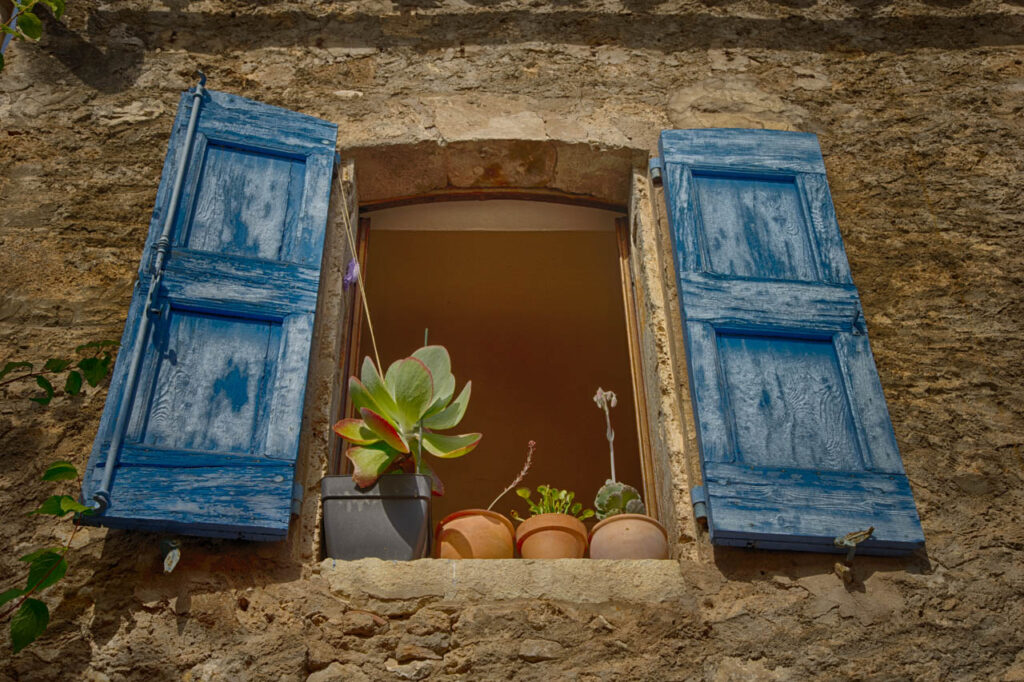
(359,272)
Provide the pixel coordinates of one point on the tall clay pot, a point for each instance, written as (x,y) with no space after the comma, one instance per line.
(628,536)
(474,534)
(552,536)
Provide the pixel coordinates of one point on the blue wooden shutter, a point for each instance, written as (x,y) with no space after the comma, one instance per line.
(213,433)
(795,440)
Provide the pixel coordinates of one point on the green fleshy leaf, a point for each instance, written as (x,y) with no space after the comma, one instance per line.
(45,570)
(384,429)
(56,365)
(10,594)
(439,365)
(370,462)
(436,360)
(60,471)
(374,385)
(30,25)
(361,397)
(410,382)
(28,623)
(450,447)
(356,431)
(451,416)
(11,366)
(42,400)
(73,385)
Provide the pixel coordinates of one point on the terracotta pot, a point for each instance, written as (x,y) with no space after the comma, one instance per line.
(474,534)
(628,536)
(552,536)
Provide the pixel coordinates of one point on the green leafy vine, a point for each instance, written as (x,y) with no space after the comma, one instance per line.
(30,616)
(26,24)
(90,369)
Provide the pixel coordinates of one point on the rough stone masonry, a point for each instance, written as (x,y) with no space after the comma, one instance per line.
(918,105)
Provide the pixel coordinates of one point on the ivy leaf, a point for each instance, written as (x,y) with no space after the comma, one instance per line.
(28,623)
(51,506)
(48,568)
(56,6)
(94,370)
(73,385)
(56,365)
(11,366)
(45,384)
(32,556)
(95,345)
(10,594)
(60,471)
(59,505)
(30,25)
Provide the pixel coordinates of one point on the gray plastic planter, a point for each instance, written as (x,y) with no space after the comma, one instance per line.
(390,520)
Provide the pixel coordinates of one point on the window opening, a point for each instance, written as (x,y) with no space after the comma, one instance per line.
(528,297)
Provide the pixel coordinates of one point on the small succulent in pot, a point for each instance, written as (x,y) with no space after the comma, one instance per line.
(614,497)
(617,498)
(402,413)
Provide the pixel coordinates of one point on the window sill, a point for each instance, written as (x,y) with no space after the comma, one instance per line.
(471,580)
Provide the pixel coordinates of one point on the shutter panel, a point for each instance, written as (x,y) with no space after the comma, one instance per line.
(794,435)
(213,429)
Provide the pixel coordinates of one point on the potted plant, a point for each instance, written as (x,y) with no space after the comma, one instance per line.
(555,528)
(369,514)
(480,533)
(623,531)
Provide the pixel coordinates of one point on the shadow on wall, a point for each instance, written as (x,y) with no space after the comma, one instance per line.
(108,56)
(737,564)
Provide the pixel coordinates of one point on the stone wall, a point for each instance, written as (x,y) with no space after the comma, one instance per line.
(918,106)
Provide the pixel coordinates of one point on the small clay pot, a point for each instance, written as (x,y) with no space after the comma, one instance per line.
(628,536)
(552,536)
(474,534)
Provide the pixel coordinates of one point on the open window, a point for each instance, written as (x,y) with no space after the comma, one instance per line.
(530,300)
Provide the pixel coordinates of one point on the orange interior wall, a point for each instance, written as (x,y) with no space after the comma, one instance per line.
(535,320)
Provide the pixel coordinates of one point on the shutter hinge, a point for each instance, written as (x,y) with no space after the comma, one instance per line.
(860,325)
(654,170)
(297,492)
(699,499)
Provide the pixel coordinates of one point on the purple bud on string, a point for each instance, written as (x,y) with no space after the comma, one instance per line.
(351,274)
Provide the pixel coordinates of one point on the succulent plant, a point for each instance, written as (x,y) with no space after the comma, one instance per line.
(553,501)
(618,498)
(614,497)
(401,416)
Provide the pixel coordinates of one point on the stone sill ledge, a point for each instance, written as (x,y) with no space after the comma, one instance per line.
(472,580)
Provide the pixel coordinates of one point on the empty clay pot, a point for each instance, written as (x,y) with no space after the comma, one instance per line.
(628,536)
(474,534)
(552,536)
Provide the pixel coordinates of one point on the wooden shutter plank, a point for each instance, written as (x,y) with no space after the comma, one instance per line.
(218,501)
(756,303)
(751,504)
(737,150)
